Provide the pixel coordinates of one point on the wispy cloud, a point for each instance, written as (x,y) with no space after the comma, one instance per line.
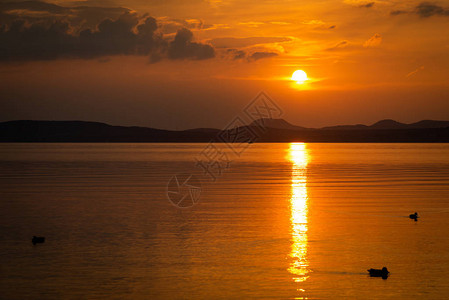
(374,41)
(413,73)
(339,45)
(251,24)
(232,42)
(313,22)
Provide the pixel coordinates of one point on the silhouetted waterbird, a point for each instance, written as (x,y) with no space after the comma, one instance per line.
(379,273)
(38,240)
(414,216)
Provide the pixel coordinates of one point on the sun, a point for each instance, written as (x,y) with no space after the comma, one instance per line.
(299,76)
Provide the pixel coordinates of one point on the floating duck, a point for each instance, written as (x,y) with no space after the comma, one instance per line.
(379,272)
(414,216)
(38,240)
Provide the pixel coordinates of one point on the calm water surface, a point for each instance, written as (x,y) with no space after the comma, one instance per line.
(284,221)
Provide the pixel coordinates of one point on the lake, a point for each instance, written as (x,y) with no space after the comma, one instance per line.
(260,221)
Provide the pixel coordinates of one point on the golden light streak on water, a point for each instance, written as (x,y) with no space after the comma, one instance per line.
(299,208)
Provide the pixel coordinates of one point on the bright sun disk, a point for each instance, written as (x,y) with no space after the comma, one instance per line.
(299,76)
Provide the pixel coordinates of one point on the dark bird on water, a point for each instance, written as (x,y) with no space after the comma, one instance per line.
(414,216)
(379,273)
(38,240)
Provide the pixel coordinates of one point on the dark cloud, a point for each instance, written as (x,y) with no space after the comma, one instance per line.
(35,41)
(332,27)
(261,55)
(51,40)
(78,16)
(182,47)
(103,3)
(239,54)
(368,5)
(397,12)
(426,9)
(36,6)
(235,54)
(56,33)
(89,17)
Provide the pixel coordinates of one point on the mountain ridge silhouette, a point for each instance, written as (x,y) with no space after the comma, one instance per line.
(266,130)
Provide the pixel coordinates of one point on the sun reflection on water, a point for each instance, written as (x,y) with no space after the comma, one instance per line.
(299,208)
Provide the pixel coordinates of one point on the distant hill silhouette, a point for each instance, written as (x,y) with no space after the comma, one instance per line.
(262,130)
(81,131)
(429,124)
(392,124)
(276,123)
(388,124)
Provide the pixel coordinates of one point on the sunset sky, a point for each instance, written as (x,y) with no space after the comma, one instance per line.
(180,64)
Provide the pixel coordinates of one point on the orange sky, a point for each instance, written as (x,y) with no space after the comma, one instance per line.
(367,60)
